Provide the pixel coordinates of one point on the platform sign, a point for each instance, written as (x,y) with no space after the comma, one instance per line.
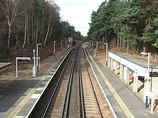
(153,74)
(23,59)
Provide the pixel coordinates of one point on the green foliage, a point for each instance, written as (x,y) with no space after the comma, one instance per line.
(37,9)
(20,36)
(148,34)
(68,30)
(134,21)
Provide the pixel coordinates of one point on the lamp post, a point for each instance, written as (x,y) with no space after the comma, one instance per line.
(106,53)
(34,64)
(90,45)
(61,44)
(37,58)
(54,47)
(148,79)
(96,47)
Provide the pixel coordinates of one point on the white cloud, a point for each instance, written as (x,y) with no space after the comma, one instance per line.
(78,12)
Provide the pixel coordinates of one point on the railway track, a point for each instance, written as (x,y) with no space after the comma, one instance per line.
(46,103)
(91,103)
(71,92)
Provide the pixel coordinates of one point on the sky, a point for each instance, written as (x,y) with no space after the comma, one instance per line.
(78,12)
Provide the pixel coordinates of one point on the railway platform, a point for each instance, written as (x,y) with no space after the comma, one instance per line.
(4,64)
(17,98)
(124,102)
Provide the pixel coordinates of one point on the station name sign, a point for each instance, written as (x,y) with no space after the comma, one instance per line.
(153,74)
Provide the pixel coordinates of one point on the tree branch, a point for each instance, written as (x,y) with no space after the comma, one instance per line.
(3,8)
(25,8)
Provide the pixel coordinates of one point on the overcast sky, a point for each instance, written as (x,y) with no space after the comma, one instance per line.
(78,12)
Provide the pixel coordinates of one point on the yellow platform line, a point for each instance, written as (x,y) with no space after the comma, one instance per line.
(117,97)
(26,98)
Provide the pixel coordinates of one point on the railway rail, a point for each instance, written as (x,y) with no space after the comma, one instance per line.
(71,92)
(76,85)
(92,106)
(44,105)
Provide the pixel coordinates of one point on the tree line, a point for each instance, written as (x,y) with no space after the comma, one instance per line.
(24,23)
(133,24)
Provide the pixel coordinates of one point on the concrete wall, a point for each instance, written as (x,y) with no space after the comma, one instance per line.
(124,67)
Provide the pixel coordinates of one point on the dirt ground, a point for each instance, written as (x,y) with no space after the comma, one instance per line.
(8,75)
(46,55)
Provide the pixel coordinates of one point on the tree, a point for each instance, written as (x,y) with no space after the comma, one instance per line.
(11,10)
(67,29)
(130,22)
(24,23)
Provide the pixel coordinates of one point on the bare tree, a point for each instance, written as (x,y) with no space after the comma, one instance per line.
(49,23)
(11,10)
(53,11)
